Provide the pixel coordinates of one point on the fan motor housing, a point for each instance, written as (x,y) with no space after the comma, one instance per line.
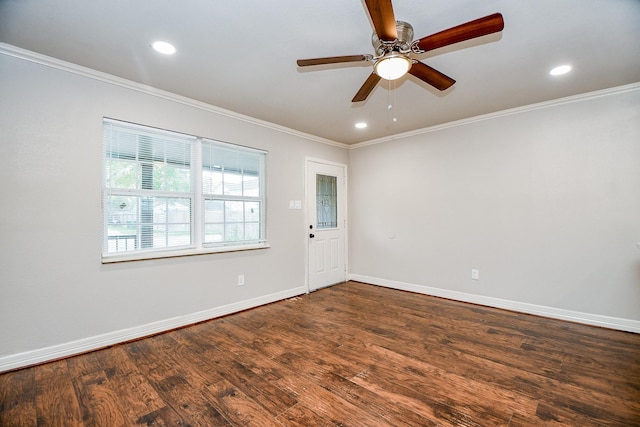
(402,44)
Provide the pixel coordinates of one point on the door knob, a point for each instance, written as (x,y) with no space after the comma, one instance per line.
(311,236)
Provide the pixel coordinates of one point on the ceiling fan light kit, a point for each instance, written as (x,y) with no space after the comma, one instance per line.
(394,46)
(392,66)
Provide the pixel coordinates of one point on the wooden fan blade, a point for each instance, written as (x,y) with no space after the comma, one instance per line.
(470,30)
(431,76)
(384,21)
(366,88)
(332,60)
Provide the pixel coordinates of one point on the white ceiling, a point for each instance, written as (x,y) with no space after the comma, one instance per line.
(241,55)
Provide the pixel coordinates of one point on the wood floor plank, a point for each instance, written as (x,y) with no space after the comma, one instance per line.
(372,402)
(249,338)
(440,394)
(99,403)
(164,416)
(260,364)
(56,401)
(84,364)
(17,398)
(348,355)
(237,407)
(468,391)
(138,397)
(410,399)
(299,415)
(328,405)
(167,376)
(227,367)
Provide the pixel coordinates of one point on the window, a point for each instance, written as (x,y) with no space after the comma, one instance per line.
(168,194)
(232,194)
(326,201)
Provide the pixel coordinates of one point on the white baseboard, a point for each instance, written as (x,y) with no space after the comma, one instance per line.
(46,354)
(59,351)
(539,310)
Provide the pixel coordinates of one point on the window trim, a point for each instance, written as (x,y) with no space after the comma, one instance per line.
(178,253)
(197,245)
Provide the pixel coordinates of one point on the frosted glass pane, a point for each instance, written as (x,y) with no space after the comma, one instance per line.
(326,201)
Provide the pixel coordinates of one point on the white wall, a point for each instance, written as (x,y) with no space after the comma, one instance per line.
(55,295)
(544,202)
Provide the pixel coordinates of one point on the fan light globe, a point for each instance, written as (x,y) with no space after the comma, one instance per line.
(392,67)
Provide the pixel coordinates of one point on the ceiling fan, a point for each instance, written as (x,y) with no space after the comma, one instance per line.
(394,45)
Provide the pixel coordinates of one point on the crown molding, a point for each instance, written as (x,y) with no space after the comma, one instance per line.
(27,55)
(518,110)
(10,50)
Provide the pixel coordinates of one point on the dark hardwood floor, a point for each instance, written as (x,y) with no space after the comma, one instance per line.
(349,355)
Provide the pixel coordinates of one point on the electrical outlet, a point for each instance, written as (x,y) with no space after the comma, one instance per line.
(240,279)
(475,274)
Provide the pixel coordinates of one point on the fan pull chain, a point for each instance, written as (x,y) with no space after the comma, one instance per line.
(391,101)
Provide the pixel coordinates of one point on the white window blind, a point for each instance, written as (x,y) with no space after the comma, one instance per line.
(233,194)
(151,201)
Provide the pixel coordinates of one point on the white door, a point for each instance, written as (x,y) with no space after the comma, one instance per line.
(326,210)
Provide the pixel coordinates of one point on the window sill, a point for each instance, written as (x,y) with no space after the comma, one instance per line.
(110,259)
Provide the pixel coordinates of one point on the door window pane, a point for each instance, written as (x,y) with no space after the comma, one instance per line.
(326,201)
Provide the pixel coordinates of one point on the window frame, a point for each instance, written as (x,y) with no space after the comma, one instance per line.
(197,245)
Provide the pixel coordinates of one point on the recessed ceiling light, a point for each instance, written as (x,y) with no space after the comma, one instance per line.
(562,69)
(361,125)
(164,47)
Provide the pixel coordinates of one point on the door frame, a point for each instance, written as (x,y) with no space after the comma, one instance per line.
(307,209)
